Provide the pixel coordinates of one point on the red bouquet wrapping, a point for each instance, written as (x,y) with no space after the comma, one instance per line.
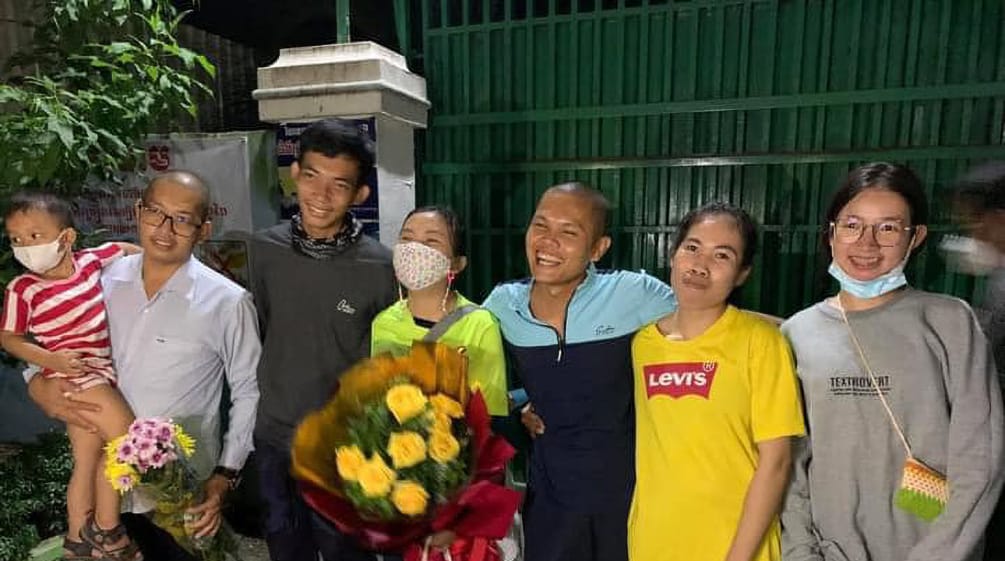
(477,549)
(479,510)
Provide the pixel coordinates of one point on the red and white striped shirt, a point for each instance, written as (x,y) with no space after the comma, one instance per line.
(66,313)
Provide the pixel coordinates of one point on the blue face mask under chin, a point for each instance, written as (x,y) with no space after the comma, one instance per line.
(878,286)
(887,282)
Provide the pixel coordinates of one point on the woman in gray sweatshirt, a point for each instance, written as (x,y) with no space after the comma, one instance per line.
(889,372)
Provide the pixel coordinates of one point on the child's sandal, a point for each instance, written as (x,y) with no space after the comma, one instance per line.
(76,551)
(102,540)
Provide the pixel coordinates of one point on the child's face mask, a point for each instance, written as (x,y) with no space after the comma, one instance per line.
(41,258)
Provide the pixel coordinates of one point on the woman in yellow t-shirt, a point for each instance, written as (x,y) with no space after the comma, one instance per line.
(716,405)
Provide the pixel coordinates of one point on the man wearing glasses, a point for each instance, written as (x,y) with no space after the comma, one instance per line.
(179,330)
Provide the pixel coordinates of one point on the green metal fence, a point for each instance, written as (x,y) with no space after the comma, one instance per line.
(666,105)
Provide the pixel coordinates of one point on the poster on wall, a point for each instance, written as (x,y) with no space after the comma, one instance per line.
(239,169)
(287,145)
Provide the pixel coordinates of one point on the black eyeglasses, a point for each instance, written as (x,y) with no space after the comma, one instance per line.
(155,217)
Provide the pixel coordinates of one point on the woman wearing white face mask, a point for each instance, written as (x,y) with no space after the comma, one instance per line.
(428,256)
(904,414)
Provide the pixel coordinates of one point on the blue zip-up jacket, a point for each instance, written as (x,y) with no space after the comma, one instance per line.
(581,385)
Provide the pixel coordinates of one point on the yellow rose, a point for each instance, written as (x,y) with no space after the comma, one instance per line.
(348,460)
(409,498)
(444,404)
(405,401)
(443,447)
(406,449)
(441,423)
(375,478)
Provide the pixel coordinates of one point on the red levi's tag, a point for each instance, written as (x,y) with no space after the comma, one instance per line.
(677,379)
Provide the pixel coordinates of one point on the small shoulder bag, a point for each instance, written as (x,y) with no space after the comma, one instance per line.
(923,491)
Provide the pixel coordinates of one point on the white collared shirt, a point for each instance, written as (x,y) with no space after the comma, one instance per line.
(173,351)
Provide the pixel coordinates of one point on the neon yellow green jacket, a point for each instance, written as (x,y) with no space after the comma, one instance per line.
(394,330)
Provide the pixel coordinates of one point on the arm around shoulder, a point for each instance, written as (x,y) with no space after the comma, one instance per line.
(129,248)
(657,298)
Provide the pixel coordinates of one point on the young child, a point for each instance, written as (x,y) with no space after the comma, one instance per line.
(54,317)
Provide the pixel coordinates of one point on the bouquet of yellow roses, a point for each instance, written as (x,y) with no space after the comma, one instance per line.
(404,450)
(151,458)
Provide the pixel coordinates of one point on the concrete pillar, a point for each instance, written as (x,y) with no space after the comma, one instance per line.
(353,81)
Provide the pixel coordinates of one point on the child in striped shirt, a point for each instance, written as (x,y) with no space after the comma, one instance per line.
(54,317)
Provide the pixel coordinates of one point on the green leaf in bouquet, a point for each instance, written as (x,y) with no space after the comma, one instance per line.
(379,508)
(419,423)
(371,428)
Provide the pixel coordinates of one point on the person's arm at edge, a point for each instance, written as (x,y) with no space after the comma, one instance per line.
(764,497)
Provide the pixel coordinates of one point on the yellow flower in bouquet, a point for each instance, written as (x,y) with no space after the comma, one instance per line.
(444,405)
(410,498)
(123,477)
(348,460)
(443,447)
(406,449)
(185,442)
(405,401)
(371,444)
(441,422)
(375,477)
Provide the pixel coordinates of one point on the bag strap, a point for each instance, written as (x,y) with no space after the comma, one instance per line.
(872,378)
(448,321)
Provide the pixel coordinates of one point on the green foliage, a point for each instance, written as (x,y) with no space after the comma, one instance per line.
(370,429)
(33,491)
(106,74)
(379,508)
(17,542)
(103,74)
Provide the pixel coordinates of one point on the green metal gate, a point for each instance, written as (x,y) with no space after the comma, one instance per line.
(665,105)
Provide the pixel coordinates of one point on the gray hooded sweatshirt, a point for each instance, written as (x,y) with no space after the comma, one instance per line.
(934,366)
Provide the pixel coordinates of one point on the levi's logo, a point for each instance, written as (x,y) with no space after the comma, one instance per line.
(677,379)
